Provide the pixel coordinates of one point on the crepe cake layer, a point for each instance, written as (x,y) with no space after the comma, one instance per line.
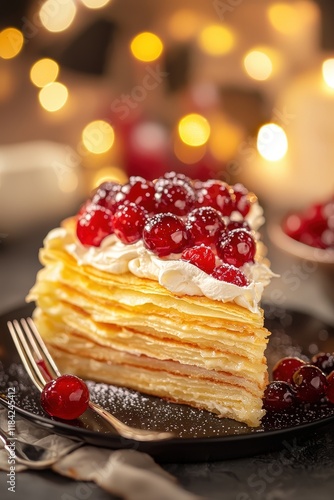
(132,332)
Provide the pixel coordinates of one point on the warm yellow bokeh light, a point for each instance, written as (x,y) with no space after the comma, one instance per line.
(146,46)
(57,16)
(216,40)
(43,72)
(98,136)
(258,65)
(328,72)
(283,17)
(11,43)
(194,130)
(272,142)
(187,154)
(53,96)
(105,174)
(95,4)
(184,24)
(291,19)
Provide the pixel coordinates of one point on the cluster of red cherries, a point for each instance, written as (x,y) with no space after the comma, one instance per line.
(296,382)
(175,215)
(314,226)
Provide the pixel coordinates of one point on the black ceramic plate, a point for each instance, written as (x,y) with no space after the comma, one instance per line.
(200,436)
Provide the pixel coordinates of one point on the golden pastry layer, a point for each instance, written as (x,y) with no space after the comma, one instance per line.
(131,331)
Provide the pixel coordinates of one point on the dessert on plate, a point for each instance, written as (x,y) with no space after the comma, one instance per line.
(156,286)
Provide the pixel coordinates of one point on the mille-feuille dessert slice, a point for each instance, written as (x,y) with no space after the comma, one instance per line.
(156,286)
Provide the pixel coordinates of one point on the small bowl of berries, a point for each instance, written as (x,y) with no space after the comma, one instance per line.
(309,235)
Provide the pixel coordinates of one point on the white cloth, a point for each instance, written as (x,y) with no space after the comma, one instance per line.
(130,474)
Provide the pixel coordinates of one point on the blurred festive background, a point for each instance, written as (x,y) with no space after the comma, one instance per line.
(239,90)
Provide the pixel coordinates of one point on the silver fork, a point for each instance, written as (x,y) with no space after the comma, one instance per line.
(32,455)
(32,349)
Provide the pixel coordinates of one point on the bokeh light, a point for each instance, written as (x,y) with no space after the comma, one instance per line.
(289,19)
(95,4)
(283,17)
(272,142)
(194,129)
(258,65)
(146,46)
(187,154)
(328,72)
(98,137)
(53,96)
(115,174)
(184,24)
(68,181)
(57,16)
(43,72)
(217,40)
(11,43)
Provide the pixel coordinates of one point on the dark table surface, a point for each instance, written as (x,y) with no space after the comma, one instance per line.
(302,470)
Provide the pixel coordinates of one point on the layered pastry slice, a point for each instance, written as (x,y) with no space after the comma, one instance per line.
(156,287)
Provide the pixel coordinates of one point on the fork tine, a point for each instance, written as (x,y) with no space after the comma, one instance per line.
(39,346)
(25,354)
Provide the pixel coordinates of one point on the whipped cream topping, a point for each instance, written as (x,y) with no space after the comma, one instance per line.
(177,276)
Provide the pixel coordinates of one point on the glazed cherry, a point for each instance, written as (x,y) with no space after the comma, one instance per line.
(310,383)
(139,191)
(279,396)
(176,177)
(230,274)
(175,197)
(164,234)
(218,195)
(237,247)
(66,397)
(242,201)
(205,225)
(324,361)
(201,256)
(286,367)
(94,225)
(330,387)
(238,224)
(128,222)
(105,195)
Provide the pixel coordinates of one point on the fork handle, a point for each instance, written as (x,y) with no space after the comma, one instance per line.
(129,432)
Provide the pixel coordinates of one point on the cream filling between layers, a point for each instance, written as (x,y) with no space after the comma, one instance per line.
(177,276)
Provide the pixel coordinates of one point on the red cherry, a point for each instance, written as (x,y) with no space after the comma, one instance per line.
(139,191)
(105,195)
(279,396)
(330,388)
(324,361)
(174,196)
(164,234)
(205,225)
(200,256)
(230,274)
(286,367)
(94,225)
(242,201)
(218,195)
(129,221)
(66,397)
(237,248)
(176,177)
(310,383)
